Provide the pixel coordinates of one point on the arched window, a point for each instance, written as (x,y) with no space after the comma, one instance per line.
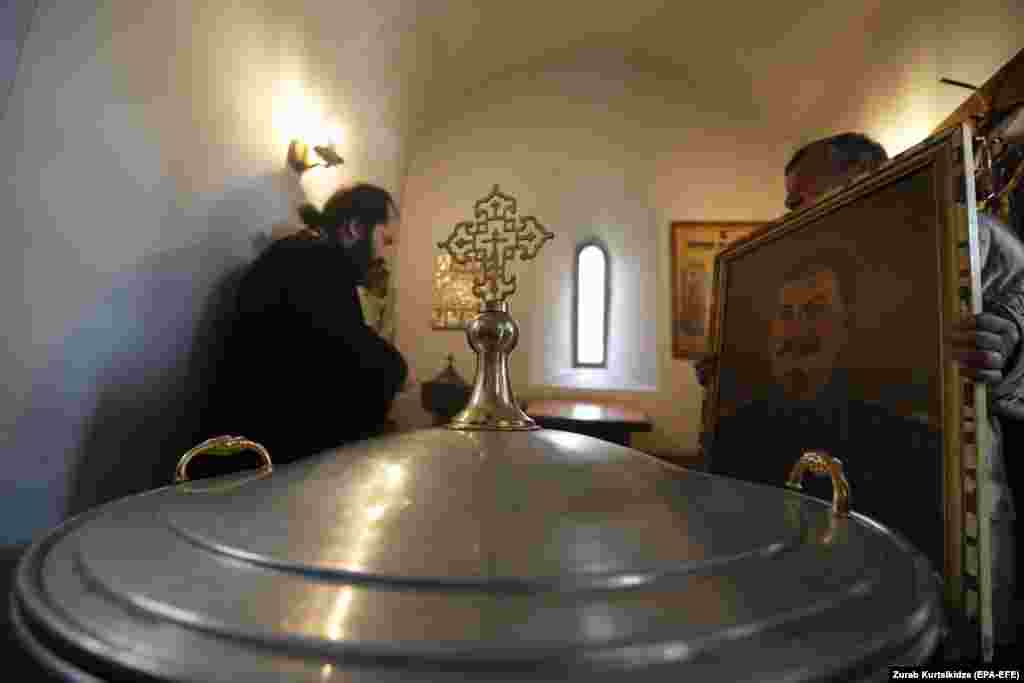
(590,307)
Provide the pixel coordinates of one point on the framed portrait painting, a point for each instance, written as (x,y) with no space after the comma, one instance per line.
(694,247)
(829,326)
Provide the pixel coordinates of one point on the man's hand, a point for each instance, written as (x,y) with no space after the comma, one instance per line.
(705,369)
(984,345)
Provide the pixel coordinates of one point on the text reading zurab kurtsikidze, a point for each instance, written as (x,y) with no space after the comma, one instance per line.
(917,674)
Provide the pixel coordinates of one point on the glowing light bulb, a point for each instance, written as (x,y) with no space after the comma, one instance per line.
(375,512)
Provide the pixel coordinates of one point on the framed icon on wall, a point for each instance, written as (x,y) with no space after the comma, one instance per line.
(694,247)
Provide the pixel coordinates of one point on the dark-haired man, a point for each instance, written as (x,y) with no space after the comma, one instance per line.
(820,166)
(302,372)
(988,345)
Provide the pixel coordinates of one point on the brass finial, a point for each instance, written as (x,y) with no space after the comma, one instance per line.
(497,238)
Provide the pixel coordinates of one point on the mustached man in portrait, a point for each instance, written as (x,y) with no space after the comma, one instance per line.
(890,459)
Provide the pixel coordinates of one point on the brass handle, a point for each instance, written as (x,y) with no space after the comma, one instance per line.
(221,445)
(820,462)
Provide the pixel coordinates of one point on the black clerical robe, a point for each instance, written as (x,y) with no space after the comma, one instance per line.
(301,371)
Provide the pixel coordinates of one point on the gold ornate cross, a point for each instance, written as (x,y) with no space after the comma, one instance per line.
(497,237)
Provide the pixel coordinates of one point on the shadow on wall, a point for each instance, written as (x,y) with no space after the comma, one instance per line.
(120,391)
(168,319)
(146,417)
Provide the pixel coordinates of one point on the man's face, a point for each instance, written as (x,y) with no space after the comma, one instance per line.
(377,278)
(808,332)
(801,189)
(813,176)
(365,246)
(384,239)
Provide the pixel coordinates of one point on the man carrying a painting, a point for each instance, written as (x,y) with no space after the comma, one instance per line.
(988,347)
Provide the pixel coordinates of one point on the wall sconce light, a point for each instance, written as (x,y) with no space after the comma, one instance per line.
(299,156)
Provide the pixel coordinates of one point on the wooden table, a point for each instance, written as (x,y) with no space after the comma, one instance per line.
(608,421)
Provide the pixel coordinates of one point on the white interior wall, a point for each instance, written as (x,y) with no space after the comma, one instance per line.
(146,149)
(593,149)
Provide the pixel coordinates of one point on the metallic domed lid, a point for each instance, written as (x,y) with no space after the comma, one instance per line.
(541,550)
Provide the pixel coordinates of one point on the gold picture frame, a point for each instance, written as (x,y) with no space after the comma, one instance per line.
(912,462)
(694,247)
(455,304)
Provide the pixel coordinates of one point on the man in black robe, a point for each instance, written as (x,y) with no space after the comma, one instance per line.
(301,371)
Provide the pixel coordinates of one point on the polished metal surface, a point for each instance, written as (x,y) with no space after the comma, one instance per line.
(492,406)
(476,555)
